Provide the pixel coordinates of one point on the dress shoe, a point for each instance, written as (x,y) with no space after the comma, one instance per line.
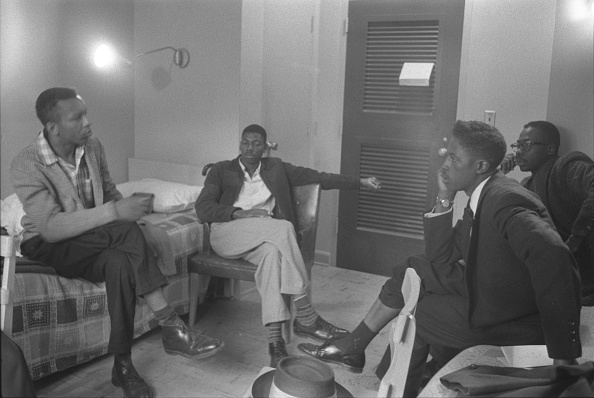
(277,351)
(328,352)
(321,330)
(179,340)
(124,375)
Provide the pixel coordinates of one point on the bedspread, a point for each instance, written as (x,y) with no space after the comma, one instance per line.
(60,322)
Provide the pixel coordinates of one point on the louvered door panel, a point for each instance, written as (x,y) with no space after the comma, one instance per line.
(398,207)
(389,45)
(391,131)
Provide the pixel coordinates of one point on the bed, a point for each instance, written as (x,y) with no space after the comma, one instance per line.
(60,322)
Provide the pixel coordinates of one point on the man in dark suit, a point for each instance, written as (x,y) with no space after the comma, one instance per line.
(503,277)
(565,184)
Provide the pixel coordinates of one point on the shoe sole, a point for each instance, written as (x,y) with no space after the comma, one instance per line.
(199,356)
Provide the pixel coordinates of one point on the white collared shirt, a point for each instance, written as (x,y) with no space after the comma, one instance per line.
(254,193)
(476,194)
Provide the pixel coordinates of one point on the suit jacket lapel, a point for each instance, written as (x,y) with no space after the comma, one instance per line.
(58,176)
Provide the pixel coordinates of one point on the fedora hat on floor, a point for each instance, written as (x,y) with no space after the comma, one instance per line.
(299,377)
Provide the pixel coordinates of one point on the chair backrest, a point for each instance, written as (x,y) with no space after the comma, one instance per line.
(306,201)
(8,252)
(402,337)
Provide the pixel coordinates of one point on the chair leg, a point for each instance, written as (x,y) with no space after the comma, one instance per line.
(289,323)
(198,285)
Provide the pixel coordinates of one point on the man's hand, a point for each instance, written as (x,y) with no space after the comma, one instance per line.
(371,183)
(574,242)
(443,192)
(133,207)
(253,213)
(508,163)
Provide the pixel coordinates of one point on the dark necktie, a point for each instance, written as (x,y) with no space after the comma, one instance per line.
(467,220)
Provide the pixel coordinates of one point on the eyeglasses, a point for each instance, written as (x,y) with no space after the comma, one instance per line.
(525,146)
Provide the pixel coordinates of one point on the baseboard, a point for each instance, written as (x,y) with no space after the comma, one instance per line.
(322,258)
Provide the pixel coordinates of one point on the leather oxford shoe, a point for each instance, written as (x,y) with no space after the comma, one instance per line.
(277,351)
(321,330)
(328,352)
(125,376)
(179,340)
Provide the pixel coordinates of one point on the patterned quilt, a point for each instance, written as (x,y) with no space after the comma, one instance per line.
(60,322)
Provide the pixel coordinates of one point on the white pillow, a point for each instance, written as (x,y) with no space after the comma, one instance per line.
(170,197)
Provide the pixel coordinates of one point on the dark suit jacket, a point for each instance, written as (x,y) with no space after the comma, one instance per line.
(516,264)
(566,186)
(225,179)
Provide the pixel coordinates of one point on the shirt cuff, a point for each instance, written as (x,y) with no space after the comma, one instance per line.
(432,213)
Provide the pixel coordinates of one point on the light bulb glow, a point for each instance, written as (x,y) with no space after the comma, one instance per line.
(104,56)
(579,9)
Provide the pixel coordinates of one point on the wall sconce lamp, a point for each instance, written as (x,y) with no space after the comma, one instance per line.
(105,56)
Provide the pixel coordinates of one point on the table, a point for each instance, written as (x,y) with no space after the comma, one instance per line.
(493,356)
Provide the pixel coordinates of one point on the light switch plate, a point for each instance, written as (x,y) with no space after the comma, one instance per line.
(490,117)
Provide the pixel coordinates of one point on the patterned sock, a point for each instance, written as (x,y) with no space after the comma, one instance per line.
(306,315)
(275,332)
(357,341)
(166,315)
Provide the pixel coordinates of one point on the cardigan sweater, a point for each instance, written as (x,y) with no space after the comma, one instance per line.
(51,203)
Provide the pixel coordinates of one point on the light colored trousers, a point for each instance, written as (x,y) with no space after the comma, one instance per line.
(272,245)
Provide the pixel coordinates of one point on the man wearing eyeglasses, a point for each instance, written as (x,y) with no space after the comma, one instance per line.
(565,184)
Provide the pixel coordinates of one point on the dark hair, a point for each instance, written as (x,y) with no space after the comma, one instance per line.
(482,139)
(549,130)
(255,128)
(45,105)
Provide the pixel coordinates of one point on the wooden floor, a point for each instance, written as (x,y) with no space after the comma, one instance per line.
(341,296)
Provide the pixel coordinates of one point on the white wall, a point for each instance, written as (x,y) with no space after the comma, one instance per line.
(299,78)
(50,43)
(505,65)
(507,49)
(531,62)
(191,115)
(571,89)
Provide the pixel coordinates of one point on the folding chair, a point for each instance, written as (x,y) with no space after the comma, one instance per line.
(402,337)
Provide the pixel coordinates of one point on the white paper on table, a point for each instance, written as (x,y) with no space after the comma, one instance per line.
(527,356)
(415,74)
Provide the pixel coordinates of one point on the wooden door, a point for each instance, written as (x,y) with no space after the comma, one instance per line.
(394,132)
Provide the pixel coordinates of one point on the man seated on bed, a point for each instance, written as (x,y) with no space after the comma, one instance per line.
(501,276)
(565,184)
(248,202)
(78,223)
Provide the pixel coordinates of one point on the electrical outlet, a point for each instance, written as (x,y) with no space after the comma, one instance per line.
(490,117)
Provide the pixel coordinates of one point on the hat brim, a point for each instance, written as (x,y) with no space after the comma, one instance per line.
(261,387)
